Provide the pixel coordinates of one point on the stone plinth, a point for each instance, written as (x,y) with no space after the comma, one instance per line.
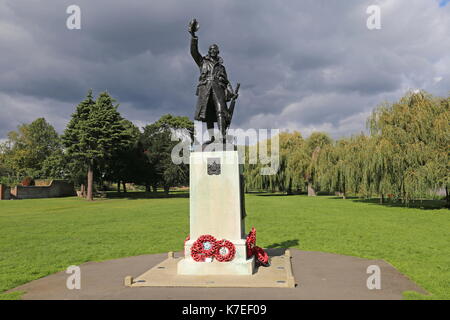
(217,209)
(277,275)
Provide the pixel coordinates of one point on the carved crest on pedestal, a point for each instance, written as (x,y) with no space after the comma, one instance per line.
(213,166)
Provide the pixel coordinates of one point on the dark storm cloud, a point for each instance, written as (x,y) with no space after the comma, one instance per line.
(306,65)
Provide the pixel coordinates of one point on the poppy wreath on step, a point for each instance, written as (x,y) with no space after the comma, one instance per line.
(205,246)
(261,256)
(251,242)
(197,252)
(225,251)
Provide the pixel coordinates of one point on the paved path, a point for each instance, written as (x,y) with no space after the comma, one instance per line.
(319,276)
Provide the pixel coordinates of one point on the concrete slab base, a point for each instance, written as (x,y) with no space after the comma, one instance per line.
(319,276)
(277,275)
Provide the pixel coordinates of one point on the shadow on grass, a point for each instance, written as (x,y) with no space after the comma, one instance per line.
(147,195)
(277,194)
(414,204)
(276,247)
(274,195)
(285,194)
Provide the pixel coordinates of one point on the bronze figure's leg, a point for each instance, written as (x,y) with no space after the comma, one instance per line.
(210,128)
(221,108)
(209,119)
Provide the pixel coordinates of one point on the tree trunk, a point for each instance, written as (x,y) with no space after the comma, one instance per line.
(447,196)
(155,189)
(147,188)
(83,190)
(118,187)
(124,186)
(403,194)
(90,177)
(289,189)
(311,191)
(382,199)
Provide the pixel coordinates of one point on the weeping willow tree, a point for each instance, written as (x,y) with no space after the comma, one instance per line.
(292,164)
(313,147)
(341,165)
(295,161)
(331,168)
(412,136)
(357,153)
(298,161)
(297,169)
(380,176)
(406,155)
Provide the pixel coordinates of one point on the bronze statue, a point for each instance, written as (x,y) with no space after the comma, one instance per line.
(213,90)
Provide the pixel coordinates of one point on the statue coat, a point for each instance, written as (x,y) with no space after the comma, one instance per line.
(213,80)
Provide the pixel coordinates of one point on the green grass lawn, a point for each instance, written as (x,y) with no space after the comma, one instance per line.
(40,237)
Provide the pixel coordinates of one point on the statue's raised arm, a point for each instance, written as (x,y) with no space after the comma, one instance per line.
(213,90)
(193,27)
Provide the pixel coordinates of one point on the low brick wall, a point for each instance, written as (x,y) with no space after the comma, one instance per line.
(42,183)
(4,192)
(57,188)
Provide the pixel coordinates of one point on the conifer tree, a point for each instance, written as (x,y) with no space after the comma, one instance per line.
(95,132)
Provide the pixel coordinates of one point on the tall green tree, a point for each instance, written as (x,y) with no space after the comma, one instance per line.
(56,166)
(158,145)
(26,149)
(129,164)
(94,134)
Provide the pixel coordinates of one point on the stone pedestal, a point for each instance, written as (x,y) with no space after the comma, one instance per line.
(216,208)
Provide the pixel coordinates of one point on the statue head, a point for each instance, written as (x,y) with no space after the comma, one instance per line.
(213,50)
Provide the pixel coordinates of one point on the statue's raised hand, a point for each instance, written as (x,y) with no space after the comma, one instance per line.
(193,27)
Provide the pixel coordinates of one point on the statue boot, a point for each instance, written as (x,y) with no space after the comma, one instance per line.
(222,124)
(210,128)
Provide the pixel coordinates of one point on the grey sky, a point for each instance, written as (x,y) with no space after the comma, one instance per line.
(303,64)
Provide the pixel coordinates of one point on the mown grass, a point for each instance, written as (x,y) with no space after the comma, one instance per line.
(40,237)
